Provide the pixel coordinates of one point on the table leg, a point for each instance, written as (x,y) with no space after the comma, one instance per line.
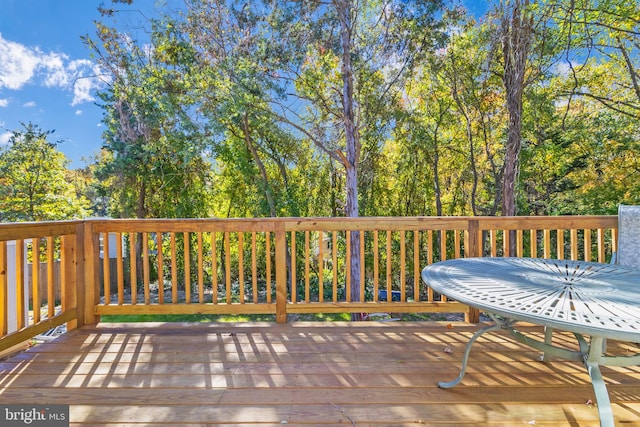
(467,350)
(548,337)
(599,387)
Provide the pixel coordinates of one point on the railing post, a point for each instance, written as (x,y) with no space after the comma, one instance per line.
(68,278)
(4,299)
(474,242)
(80,278)
(90,282)
(281,272)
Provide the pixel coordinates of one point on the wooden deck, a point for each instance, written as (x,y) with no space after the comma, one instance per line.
(358,374)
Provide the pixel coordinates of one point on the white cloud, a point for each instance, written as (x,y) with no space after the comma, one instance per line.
(18,64)
(4,138)
(23,65)
(564,68)
(29,104)
(56,74)
(78,112)
(86,80)
(4,102)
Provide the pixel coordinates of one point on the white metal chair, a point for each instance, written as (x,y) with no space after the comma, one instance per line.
(628,253)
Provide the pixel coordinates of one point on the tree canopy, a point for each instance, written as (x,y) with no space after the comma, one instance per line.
(237,108)
(35,184)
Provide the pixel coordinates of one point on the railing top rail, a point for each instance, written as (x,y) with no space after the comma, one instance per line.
(29,230)
(548,222)
(352,224)
(26,230)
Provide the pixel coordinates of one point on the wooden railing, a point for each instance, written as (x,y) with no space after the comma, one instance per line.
(25,311)
(261,266)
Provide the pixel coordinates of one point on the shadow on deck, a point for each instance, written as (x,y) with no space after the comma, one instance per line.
(358,374)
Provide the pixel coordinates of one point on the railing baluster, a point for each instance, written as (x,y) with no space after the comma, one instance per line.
(519,243)
(146,268)
(347,266)
(19,285)
(293,268)
(416,266)
(105,265)
(307,275)
(281,273)
(133,267)
(533,243)
(403,267)
(334,261)
(186,237)
(227,267)
(362,266)
(389,267)
(200,269)
(320,266)
(174,268)
(160,262)
(254,266)
(120,268)
(574,243)
(601,245)
(494,242)
(560,244)
(376,265)
(35,275)
(547,243)
(214,267)
(587,244)
(241,267)
(268,267)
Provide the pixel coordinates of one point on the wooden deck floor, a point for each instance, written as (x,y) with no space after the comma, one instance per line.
(356,374)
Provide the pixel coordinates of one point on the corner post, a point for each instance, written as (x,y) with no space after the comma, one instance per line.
(69,279)
(4,298)
(474,246)
(79,260)
(90,283)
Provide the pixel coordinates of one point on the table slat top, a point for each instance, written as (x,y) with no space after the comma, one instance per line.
(583,297)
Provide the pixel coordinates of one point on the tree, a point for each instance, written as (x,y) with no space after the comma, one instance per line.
(601,40)
(34,184)
(234,84)
(154,166)
(516,25)
(346,46)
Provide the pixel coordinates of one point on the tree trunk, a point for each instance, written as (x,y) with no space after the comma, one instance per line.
(516,32)
(343,8)
(140,213)
(263,171)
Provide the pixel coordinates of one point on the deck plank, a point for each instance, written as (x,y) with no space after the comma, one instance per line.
(366,373)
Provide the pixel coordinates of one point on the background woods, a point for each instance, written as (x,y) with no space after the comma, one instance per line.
(230,108)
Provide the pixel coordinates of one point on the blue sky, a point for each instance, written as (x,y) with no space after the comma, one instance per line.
(47,75)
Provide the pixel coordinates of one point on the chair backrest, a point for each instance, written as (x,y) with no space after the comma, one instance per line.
(628,236)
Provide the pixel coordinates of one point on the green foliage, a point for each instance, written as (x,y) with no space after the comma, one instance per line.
(34,182)
(236,109)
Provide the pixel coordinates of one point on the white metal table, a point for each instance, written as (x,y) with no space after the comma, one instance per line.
(596,300)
